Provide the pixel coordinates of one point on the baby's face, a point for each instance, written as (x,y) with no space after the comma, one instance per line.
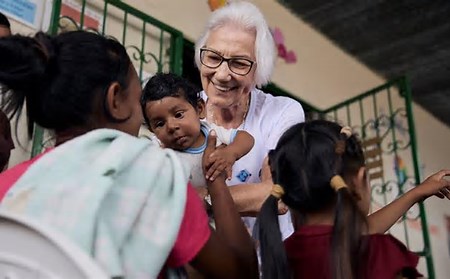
(175,122)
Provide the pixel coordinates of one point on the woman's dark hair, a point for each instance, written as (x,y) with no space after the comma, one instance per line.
(303,163)
(60,77)
(164,85)
(4,21)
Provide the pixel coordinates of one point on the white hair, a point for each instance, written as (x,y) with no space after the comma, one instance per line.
(249,17)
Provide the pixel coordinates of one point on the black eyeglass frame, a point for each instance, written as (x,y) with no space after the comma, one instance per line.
(226,60)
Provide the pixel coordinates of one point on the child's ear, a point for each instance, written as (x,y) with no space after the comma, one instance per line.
(116,102)
(359,184)
(362,178)
(201,108)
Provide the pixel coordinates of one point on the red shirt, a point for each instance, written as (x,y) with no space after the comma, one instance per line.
(308,252)
(194,231)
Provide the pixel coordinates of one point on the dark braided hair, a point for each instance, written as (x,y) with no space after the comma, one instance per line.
(4,21)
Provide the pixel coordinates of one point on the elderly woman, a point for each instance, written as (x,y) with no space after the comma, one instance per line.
(235,55)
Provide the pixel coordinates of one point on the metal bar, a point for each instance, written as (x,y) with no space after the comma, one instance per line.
(125,23)
(54,22)
(412,133)
(83,8)
(38,136)
(349,118)
(176,54)
(375,111)
(394,142)
(392,125)
(141,64)
(363,121)
(121,5)
(161,42)
(377,131)
(105,13)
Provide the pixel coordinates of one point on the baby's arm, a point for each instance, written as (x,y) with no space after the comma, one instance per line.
(242,144)
(383,219)
(223,159)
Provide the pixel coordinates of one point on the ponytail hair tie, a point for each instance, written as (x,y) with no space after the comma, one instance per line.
(347,131)
(277,191)
(337,182)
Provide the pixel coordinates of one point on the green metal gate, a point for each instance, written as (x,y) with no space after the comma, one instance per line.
(152,45)
(383,118)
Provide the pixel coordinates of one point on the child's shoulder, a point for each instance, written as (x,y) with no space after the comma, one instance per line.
(386,239)
(390,256)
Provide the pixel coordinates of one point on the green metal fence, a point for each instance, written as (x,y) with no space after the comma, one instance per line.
(152,45)
(383,119)
(382,116)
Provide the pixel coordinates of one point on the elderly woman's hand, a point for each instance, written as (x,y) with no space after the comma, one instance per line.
(266,174)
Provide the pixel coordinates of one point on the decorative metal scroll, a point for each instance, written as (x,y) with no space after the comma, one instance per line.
(385,124)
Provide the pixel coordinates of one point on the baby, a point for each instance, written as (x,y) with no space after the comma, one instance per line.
(173,111)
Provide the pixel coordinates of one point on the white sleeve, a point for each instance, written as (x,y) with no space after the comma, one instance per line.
(290,115)
(224,136)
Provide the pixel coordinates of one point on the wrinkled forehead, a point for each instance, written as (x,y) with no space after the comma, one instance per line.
(230,40)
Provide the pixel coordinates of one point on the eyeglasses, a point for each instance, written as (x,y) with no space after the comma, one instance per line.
(238,65)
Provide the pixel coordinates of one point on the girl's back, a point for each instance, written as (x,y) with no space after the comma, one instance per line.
(319,172)
(308,251)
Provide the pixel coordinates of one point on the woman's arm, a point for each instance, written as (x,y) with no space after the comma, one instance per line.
(250,197)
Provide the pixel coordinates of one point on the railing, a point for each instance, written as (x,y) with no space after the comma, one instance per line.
(384,120)
(152,45)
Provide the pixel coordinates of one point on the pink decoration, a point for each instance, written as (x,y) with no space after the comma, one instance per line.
(288,56)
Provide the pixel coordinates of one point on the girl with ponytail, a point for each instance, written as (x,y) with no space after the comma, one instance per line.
(318,171)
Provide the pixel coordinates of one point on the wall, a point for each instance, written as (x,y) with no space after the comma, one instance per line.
(434,153)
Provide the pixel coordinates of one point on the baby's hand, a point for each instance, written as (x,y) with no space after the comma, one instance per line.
(220,160)
(436,184)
